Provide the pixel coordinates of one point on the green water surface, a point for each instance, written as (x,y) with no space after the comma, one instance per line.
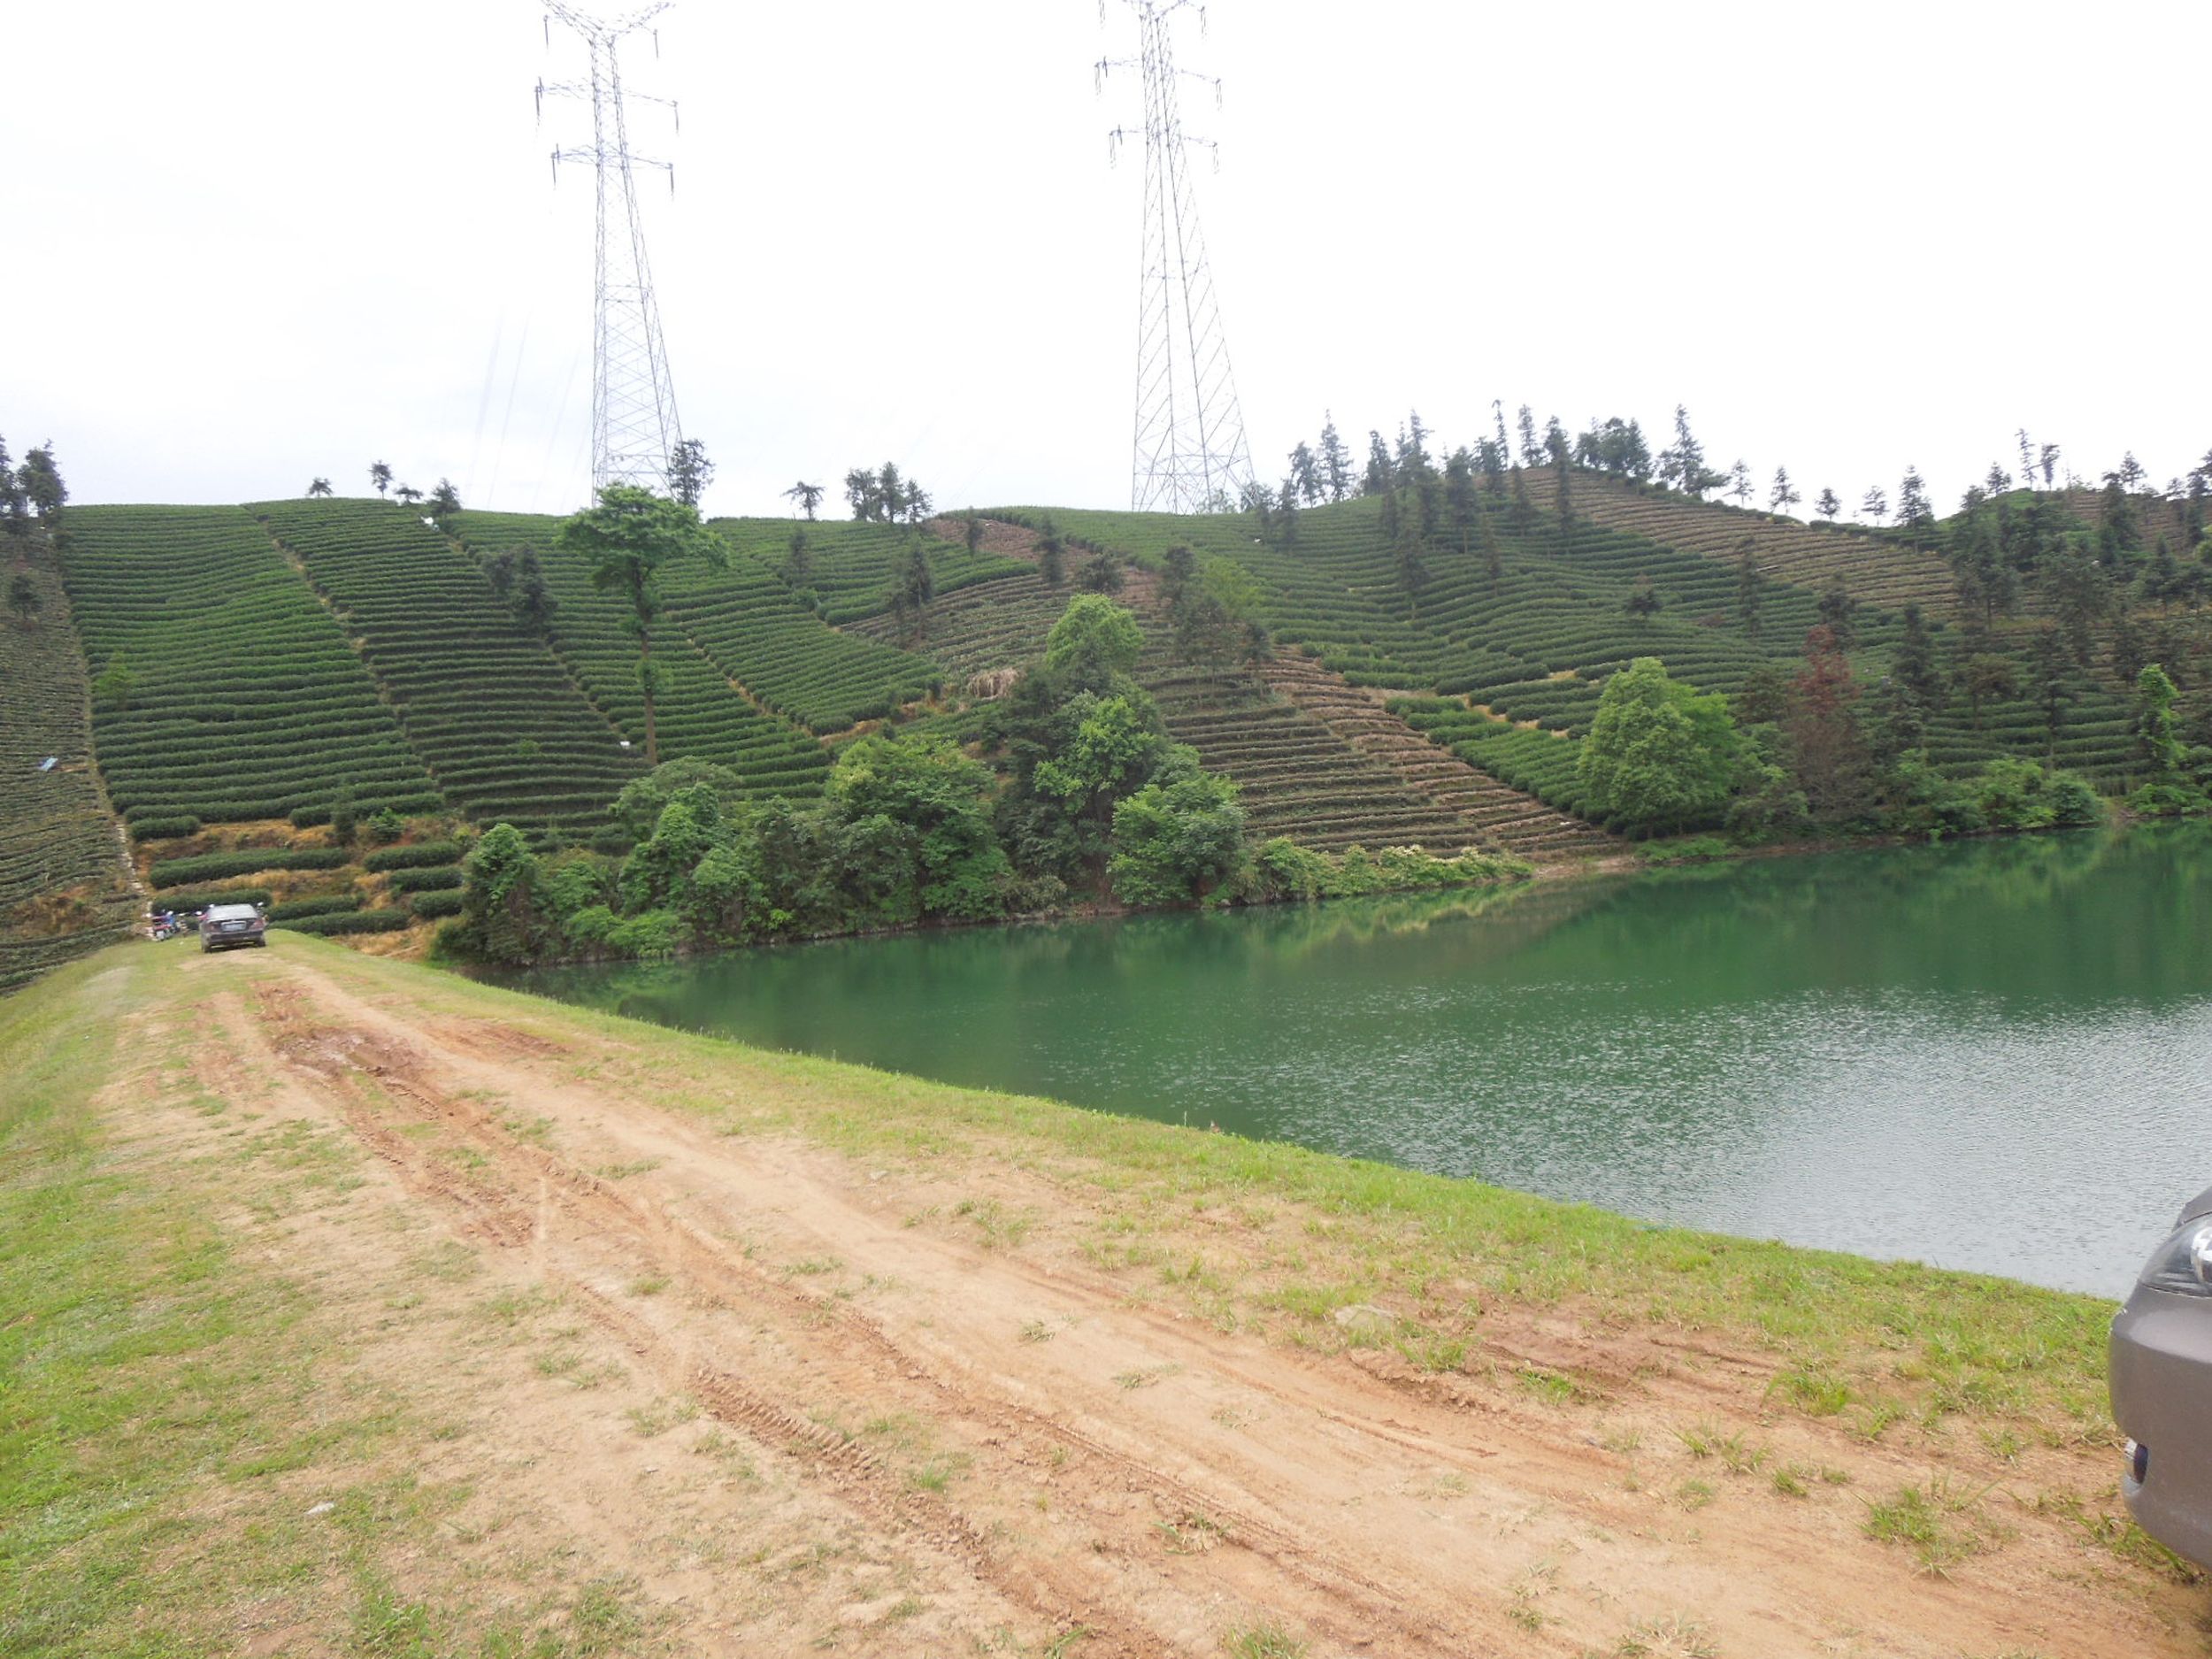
(1994,1055)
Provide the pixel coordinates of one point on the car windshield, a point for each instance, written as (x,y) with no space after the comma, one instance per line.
(229,912)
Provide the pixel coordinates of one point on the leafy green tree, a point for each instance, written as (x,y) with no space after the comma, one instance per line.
(1052,555)
(1782,495)
(1563,502)
(914,586)
(15,506)
(1683,466)
(626,540)
(1492,549)
(1305,473)
(39,480)
(1336,460)
(1987,676)
(689,473)
(2156,726)
(798,561)
(408,495)
(1287,514)
(533,601)
(1642,603)
(1114,748)
(1380,474)
(1915,514)
(2049,663)
(639,807)
(807,497)
(23,599)
(445,500)
(1093,640)
(1874,504)
(380,476)
(1660,756)
(1460,497)
(1176,841)
(950,860)
(1828,506)
(114,684)
(1913,663)
(1101,573)
(502,899)
(320,486)
(1531,448)
(1740,483)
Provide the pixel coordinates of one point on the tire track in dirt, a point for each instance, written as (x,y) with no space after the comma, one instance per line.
(342,1056)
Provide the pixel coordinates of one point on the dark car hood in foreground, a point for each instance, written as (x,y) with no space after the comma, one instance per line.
(2201,1205)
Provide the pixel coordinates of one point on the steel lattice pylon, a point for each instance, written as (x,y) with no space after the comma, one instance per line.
(1190,449)
(634,430)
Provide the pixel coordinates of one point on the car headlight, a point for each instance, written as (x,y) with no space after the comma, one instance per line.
(2183,1263)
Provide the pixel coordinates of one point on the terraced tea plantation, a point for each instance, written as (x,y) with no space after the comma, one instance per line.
(748,622)
(503,729)
(232,693)
(63,890)
(1534,646)
(699,713)
(1873,570)
(853,567)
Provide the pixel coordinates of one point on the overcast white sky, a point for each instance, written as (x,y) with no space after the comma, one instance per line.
(253,242)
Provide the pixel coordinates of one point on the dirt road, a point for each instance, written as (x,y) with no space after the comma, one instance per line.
(794,1402)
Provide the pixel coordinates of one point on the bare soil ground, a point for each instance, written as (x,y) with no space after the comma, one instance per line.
(779,1397)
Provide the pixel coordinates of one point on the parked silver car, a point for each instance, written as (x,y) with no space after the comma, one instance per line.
(225,926)
(2162,1387)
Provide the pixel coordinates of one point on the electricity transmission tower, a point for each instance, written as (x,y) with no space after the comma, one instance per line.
(1190,451)
(633,425)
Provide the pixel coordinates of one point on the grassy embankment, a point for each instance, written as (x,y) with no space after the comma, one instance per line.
(163,1373)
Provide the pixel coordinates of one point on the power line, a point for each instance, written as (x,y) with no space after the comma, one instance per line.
(1190,454)
(634,430)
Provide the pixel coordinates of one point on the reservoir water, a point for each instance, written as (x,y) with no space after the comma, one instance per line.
(1994,1055)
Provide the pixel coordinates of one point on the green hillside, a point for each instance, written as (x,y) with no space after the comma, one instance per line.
(1425,681)
(1492,665)
(63,888)
(703,714)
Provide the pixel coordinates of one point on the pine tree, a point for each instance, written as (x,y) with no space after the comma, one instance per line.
(1377,477)
(1336,461)
(1784,495)
(1828,506)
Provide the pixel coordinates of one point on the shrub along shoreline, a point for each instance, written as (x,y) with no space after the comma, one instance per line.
(1075,799)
